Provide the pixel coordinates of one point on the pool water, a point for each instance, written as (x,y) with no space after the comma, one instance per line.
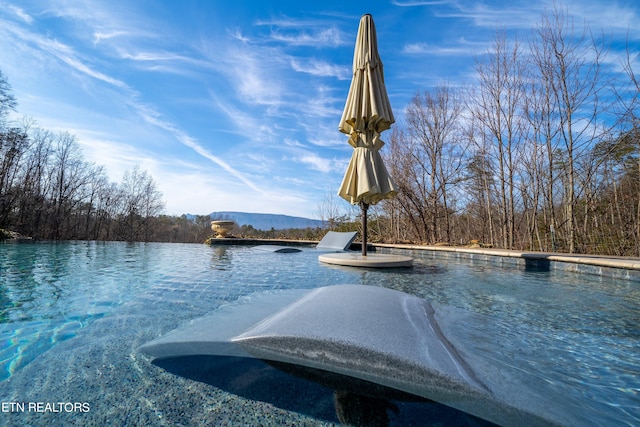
(73,314)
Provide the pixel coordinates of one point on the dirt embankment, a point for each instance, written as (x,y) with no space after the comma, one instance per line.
(12,235)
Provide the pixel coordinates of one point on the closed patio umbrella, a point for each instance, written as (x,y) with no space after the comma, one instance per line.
(367,113)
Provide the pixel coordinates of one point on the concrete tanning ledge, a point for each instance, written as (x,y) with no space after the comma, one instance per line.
(370,333)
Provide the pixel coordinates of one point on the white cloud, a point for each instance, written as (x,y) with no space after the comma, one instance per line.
(614,17)
(154,118)
(237,35)
(19,13)
(293,143)
(513,16)
(154,56)
(459,47)
(78,65)
(417,3)
(131,98)
(45,47)
(99,36)
(329,139)
(321,68)
(324,37)
(241,122)
(316,162)
(249,71)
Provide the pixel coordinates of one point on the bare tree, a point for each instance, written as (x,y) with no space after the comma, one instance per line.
(8,101)
(14,144)
(70,175)
(497,107)
(541,111)
(481,192)
(411,182)
(35,182)
(89,210)
(571,65)
(330,212)
(47,189)
(627,93)
(141,201)
(433,122)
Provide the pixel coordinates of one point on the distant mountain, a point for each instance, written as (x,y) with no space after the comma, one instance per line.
(266,222)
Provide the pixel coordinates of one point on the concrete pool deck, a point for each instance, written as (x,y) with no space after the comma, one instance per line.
(608,266)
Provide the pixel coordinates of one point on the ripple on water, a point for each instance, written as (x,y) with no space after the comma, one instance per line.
(573,336)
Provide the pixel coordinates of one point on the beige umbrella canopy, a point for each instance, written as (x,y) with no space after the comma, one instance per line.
(367,113)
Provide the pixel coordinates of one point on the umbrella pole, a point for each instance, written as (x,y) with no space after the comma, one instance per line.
(365,207)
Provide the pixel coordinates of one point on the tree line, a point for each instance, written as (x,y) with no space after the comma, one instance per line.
(49,191)
(541,152)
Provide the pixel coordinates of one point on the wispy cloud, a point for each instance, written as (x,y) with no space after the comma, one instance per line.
(317,33)
(319,38)
(241,122)
(154,56)
(615,17)
(293,143)
(131,97)
(154,118)
(19,13)
(317,67)
(330,139)
(316,162)
(236,34)
(168,62)
(250,71)
(99,16)
(101,35)
(417,3)
(316,107)
(486,16)
(53,49)
(80,66)
(454,48)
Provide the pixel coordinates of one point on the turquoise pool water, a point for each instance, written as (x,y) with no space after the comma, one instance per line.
(73,314)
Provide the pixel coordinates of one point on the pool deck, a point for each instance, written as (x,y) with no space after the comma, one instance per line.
(596,260)
(610,266)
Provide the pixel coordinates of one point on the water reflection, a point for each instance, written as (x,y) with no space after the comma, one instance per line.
(419,280)
(357,402)
(221,257)
(358,410)
(323,395)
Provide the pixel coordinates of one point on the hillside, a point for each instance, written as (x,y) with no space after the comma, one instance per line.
(261,221)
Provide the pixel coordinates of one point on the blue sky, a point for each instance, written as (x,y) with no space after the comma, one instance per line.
(234,105)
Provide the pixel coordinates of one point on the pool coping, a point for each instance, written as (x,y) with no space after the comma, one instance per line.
(618,267)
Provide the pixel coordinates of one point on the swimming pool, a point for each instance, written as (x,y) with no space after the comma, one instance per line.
(74,314)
